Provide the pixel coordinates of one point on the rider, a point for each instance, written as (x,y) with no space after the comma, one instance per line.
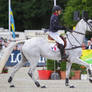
(54,27)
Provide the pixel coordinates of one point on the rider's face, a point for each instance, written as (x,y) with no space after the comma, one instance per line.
(59,12)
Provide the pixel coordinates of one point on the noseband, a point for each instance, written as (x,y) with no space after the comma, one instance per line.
(90,26)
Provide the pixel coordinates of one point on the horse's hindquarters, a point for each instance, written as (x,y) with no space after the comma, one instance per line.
(30,50)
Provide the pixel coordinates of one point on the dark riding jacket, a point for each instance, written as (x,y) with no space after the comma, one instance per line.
(54,24)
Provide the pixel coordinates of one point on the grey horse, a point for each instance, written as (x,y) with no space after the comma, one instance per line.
(38,46)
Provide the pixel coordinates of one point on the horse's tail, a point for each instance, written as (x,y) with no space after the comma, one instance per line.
(5,53)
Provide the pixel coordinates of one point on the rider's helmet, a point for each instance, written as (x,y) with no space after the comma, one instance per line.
(56,8)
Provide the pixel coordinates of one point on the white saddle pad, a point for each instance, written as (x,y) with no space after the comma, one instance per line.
(54,47)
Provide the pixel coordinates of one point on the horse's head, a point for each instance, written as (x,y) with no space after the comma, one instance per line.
(89,25)
(83,26)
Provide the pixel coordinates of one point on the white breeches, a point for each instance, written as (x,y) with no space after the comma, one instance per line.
(56,37)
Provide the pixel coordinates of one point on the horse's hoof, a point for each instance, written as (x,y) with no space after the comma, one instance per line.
(10,79)
(37,84)
(72,86)
(12,86)
(89,71)
(43,87)
(90,80)
(66,84)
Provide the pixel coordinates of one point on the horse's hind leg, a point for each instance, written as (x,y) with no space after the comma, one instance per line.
(31,72)
(16,68)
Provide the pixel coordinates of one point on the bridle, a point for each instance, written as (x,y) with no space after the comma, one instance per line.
(90,26)
(79,32)
(74,46)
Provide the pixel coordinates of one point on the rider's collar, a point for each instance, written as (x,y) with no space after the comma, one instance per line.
(55,14)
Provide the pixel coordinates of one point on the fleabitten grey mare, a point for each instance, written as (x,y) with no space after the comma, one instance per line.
(34,48)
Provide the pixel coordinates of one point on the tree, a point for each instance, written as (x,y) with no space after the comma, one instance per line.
(4,13)
(36,14)
(76,5)
(28,14)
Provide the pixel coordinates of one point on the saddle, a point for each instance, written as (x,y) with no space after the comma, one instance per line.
(50,38)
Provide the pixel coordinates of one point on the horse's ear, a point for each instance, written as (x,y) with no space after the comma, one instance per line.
(76,16)
(85,15)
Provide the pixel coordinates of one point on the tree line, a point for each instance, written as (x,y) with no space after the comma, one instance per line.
(35,14)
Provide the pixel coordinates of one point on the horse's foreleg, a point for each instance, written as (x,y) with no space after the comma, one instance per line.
(77,60)
(68,68)
(16,68)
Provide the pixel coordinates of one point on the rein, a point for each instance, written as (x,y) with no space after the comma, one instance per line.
(79,33)
(73,46)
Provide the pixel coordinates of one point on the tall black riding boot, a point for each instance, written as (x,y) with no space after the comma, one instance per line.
(63,55)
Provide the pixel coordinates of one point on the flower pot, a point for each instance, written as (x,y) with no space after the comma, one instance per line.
(44,74)
(63,74)
(5,70)
(76,75)
(84,76)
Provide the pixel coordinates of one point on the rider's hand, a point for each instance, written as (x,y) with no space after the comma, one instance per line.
(46,30)
(70,30)
(64,28)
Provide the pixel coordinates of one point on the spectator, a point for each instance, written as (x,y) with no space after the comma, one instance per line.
(20,46)
(15,48)
(89,46)
(5,44)
(91,40)
(0,44)
(83,46)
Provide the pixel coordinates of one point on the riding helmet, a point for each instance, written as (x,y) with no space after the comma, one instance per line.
(56,8)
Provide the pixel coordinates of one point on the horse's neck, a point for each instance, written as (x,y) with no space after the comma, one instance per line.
(75,38)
